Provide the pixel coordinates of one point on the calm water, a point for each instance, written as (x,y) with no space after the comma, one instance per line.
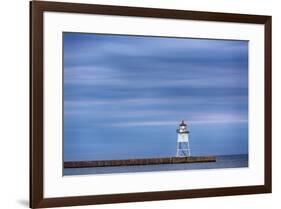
(227,161)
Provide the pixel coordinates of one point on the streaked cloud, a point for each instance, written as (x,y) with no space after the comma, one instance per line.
(194,119)
(130,91)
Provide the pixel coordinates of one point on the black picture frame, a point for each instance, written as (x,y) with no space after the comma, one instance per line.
(37,8)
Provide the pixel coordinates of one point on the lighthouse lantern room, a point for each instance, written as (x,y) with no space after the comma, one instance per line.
(183,149)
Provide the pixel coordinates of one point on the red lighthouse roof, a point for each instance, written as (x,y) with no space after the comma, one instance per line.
(182,123)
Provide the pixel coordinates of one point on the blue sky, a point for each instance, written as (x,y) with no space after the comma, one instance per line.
(124,96)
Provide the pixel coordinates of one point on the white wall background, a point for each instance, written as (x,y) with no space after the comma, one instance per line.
(14,105)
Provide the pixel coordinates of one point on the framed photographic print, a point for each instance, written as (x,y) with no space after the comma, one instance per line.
(139,104)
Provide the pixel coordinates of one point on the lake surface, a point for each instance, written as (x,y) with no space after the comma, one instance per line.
(226,161)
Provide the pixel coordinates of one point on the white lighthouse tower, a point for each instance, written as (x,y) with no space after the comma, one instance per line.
(183,149)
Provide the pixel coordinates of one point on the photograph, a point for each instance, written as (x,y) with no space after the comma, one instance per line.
(134,103)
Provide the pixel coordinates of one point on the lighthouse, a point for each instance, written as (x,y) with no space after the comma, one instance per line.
(183,149)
